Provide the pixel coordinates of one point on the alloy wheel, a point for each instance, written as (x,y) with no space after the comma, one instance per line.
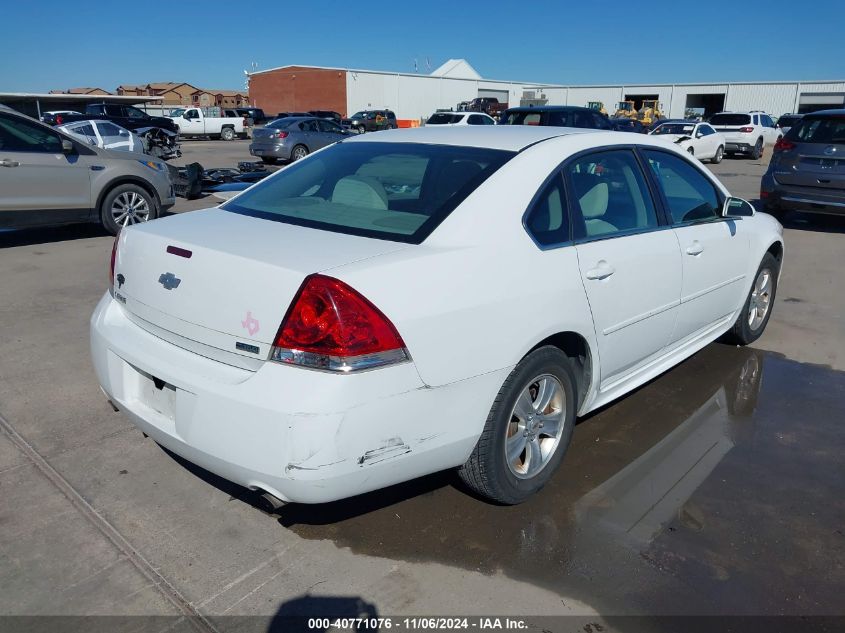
(761,295)
(536,425)
(130,208)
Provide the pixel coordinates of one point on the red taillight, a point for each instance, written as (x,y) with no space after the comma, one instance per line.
(783,145)
(113,258)
(746,130)
(58,119)
(281,134)
(332,326)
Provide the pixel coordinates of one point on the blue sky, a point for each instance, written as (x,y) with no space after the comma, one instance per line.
(209,43)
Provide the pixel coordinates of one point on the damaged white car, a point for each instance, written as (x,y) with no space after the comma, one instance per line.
(417,300)
(104,134)
(697,138)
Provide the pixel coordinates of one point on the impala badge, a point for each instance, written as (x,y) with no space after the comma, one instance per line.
(169,281)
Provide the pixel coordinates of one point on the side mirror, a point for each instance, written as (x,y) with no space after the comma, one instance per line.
(737,208)
(124,133)
(67,147)
(699,134)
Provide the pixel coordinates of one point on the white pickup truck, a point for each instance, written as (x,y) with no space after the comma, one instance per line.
(194,122)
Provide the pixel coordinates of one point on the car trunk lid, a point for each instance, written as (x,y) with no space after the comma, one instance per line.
(215,280)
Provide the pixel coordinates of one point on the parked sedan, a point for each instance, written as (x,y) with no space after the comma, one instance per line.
(807,170)
(460,118)
(104,134)
(292,138)
(699,139)
(375,312)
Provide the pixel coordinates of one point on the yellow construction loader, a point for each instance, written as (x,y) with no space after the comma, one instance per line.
(650,113)
(598,106)
(625,109)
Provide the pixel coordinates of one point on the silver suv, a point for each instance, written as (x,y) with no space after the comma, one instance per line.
(746,132)
(47,177)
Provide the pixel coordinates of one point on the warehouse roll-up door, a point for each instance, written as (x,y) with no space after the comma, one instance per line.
(812,101)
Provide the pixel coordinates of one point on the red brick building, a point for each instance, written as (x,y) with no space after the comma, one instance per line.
(299,88)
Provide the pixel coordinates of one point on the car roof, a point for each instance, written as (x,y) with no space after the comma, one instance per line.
(555,108)
(831,112)
(505,137)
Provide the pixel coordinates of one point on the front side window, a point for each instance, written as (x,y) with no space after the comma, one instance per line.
(18,135)
(689,193)
(548,221)
(109,129)
(328,126)
(192,114)
(610,192)
(135,113)
(475,119)
(392,191)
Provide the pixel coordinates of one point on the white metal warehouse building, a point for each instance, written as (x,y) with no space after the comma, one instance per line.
(415,96)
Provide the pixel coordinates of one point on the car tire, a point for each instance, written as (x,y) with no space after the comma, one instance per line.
(268,160)
(488,471)
(227,134)
(126,205)
(717,158)
(749,326)
(361,129)
(691,151)
(757,152)
(298,152)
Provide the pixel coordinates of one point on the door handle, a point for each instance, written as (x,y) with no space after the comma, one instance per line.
(603,270)
(695,249)
(5,162)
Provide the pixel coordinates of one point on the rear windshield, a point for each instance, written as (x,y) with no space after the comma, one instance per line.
(788,121)
(730,119)
(443,118)
(280,124)
(392,191)
(828,129)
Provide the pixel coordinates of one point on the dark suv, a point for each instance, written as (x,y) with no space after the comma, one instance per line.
(126,116)
(557,116)
(371,121)
(327,114)
(807,170)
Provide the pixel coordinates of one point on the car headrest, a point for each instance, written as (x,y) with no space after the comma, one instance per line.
(594,202)
(360,191)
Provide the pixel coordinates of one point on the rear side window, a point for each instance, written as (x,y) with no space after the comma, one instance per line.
(521,118)
(548,220)
(392,191)
(610,191)
(730,119)
(818,130)
(689,193)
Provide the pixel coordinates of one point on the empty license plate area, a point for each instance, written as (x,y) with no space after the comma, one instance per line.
(157,395)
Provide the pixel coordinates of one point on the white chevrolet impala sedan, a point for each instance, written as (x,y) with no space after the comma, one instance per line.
(417,300)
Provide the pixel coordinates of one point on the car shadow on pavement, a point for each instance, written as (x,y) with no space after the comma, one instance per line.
(315,614)
(46,235)
(326,513)
(800,221)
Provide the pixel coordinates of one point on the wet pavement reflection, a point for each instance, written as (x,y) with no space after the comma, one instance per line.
(716,488)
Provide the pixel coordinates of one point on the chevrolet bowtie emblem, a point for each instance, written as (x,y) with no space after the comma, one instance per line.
(169,281)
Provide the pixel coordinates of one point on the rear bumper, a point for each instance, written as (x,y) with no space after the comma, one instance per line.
(809,199)
(304,436)
(272,150)
(738,146)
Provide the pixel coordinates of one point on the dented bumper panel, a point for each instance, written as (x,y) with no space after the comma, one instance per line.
(304,436)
